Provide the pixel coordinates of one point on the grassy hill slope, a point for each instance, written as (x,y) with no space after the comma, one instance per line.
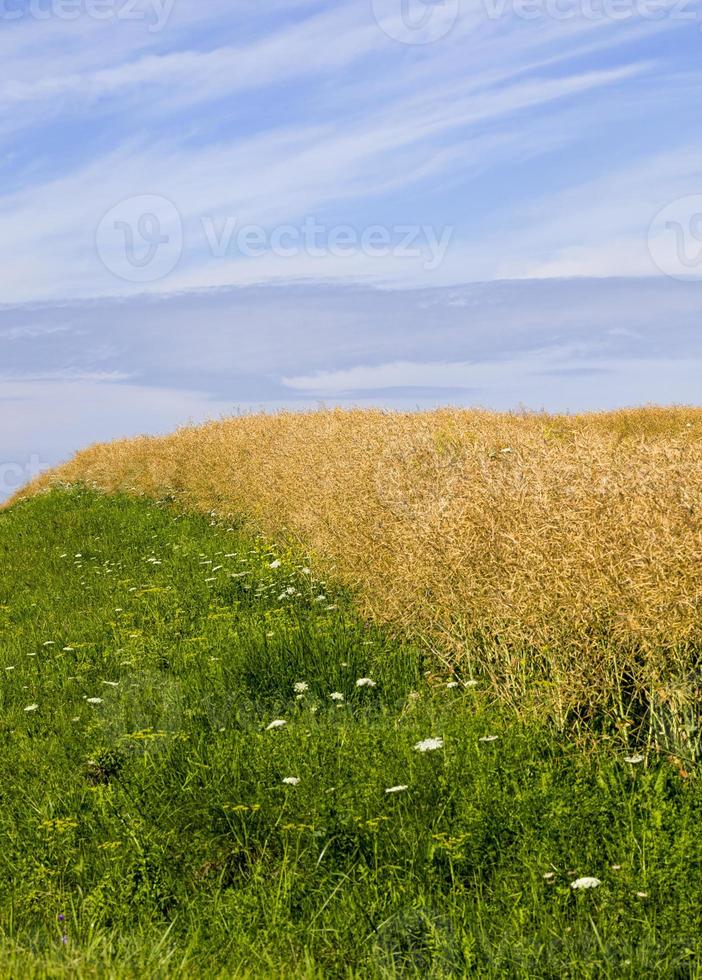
(148,829)
(559,555)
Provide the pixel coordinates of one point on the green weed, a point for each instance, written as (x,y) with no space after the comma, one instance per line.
(154,824)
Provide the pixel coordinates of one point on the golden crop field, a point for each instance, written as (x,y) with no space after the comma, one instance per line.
(560,555)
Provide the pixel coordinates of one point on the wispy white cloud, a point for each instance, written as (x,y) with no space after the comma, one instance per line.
(193,113)
(268,178)
(114,368)
(545,147)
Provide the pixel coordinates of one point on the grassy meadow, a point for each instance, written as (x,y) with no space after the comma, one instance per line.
(214,765)
(558,556)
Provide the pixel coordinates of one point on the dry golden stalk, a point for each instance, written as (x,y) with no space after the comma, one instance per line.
(561,550)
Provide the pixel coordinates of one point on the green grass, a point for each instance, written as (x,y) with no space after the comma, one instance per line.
(151,834)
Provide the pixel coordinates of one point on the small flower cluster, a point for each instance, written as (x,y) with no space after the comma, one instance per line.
(429,745)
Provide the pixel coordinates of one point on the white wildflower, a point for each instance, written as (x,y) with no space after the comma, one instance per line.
(585,883)
(301,687)
(429,745)
(633,759)
(365,682)
(336,696)
(489,738)
(111,683)
(470,683)
(549,875)
(453,684)
(396,789)
(291,781)
(278,723)
(32,707)
(94,700)
(275,564)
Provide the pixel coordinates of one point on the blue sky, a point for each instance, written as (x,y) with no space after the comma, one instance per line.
(234,205)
